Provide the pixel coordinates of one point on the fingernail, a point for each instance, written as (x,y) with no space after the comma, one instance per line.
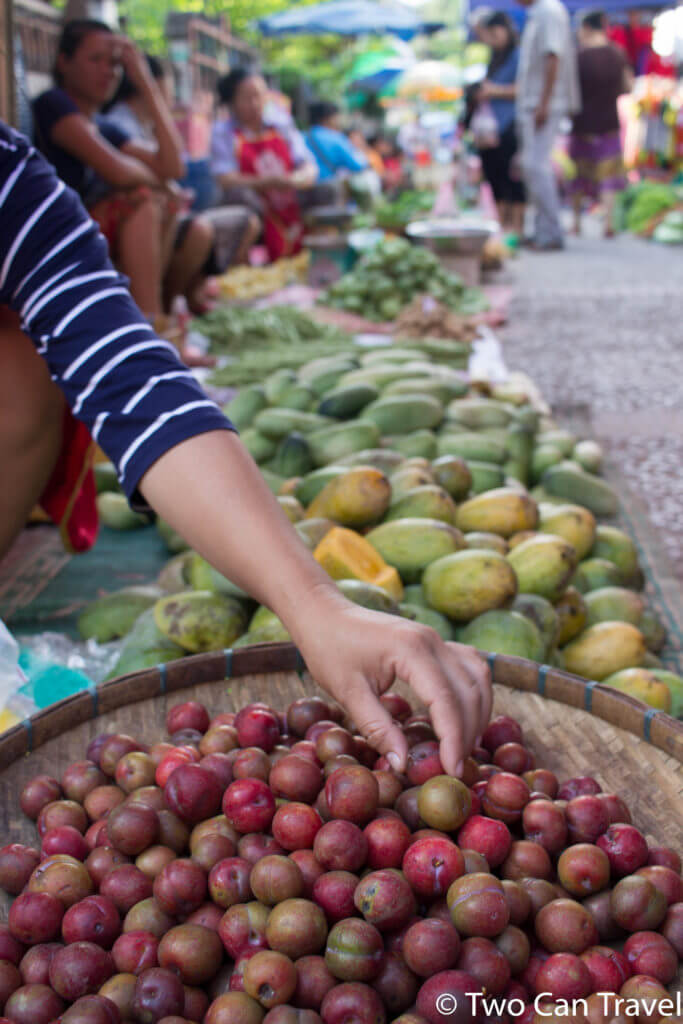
(394,760)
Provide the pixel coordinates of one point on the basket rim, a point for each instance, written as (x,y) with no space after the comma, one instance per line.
(647,723)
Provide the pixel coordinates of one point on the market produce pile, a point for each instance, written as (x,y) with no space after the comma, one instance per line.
(396,214)
(269,868)
(653,209)
(246,283)
(424,497)
(390,276)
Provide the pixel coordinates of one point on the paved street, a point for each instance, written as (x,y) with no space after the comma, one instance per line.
(599,327)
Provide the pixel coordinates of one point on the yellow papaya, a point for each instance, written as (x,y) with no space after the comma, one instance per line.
(356,498)
(505,511)
(543,565)
(605,648)
(408,477)
(428,502)
(410,545)
(573,522)
(468,583)
(453,474)
(481,539)
(344,555)
(518,538)
(292,508)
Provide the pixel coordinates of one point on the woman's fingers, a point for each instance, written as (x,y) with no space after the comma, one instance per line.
(375,723)
(481,676)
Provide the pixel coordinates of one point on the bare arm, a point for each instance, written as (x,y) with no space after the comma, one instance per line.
(305,176)
(164,158)
(211,491)
(80,137)
(550,69)
(235,179)
(498,91)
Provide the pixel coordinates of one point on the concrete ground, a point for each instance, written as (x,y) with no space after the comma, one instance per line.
(599,327)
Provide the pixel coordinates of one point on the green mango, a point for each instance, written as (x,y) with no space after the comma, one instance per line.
(414,594)
(203,576)
(200,620)
(653,629)
(427,502)
(617,547)
(114,511)
(614,604)
(410,545)
(145,646)
(589,456)
(539,611)
(453,474)
(675,684)
(368,596)
(175,575)
(242,409)
(594,574)
(114,615)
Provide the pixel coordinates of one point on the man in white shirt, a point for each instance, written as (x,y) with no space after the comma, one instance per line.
(547,91)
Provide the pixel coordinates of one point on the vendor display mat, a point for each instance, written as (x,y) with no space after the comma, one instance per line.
(43,588)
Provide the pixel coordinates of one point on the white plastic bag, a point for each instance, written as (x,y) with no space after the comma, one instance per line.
(484,127)
(14,706)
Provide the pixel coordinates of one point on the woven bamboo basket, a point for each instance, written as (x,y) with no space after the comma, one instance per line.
(574,727)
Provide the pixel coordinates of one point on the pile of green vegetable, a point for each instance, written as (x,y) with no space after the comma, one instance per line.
(390,276)
(644,201)
(669,231)
(233,329)
(396,215)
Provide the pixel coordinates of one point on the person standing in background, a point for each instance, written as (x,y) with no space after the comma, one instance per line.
(595,146)
(499,91)
(335,154)
(547,92)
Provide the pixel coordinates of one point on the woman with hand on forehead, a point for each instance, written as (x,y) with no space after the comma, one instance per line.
(125,183)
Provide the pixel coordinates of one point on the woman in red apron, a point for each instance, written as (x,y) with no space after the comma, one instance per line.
(259,158)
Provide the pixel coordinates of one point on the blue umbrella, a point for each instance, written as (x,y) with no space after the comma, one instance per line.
(347,18)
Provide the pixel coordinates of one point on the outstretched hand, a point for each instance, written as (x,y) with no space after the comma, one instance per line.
(356,655)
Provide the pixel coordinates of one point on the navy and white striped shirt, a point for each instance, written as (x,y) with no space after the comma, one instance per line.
(127,385)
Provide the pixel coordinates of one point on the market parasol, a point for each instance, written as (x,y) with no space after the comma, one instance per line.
(347,18)
(375,69)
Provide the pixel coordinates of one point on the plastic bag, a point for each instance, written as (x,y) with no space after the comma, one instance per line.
(484,127)
(13,705)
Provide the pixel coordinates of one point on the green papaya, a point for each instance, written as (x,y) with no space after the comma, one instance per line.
(589,455)
(260,447)
(614,604)
(322,375)
(543,565)
(145,646)
(393,354)
(272,633)
(675,685)
(444,390)
(470,445)
(414,594)
(605,648)
(249,401)
(171,538)
(273,480)
(368,596)
(504,632)
(277,383)
(313,483)
(114,615)
(200,620)
(504,510)
(485,476)
(312,531)
(428,502)
(594,574)
(277,423)
(114,511)
(468,583)
(407,478)
(204,577)
(476,413)
(106,477)
(453,474)
(617,547)
(410,545)
(566,480)
(543,457)
(175,575)
(653,629)
(403,414)
(381,458)
(420,442)
(346,402)
(482,540)
(642,684)
(428,617)
(293,457)
(542,614)
(562,439)
(329,444)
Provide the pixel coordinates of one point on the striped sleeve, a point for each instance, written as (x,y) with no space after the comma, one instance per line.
(127,385)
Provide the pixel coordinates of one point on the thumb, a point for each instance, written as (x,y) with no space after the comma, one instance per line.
(378,727)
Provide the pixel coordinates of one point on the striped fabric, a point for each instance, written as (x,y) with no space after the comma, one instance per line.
(127,385)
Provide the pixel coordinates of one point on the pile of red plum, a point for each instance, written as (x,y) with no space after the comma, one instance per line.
(269,868)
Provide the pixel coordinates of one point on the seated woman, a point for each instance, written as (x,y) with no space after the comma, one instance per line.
(261,160)
(235,228)
(335,154)
(123,181)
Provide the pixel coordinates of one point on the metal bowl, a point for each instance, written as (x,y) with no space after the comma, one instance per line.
(461,236)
